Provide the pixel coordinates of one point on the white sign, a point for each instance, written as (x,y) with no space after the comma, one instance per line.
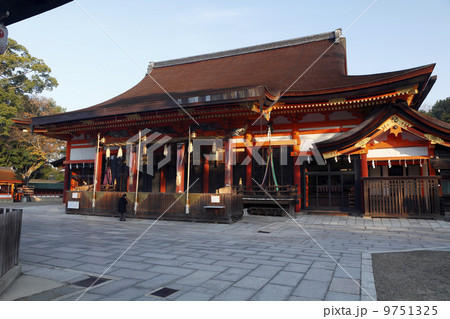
(396,152)
(73,205)
(3,38)
(215,199)
(75,195)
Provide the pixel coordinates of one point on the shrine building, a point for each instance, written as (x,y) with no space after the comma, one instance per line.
(277,128)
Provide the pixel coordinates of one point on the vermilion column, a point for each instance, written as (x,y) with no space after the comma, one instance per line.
(364,168)
(66,172)
(205,177)
(180,168)
(364,173)
(228,163)
(162,182)
(296,167)
(297,181)
(99,168)
(248,168)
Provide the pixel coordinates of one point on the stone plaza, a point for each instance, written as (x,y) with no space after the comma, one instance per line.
(309,257)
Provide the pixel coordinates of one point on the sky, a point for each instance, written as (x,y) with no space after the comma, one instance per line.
(91,67)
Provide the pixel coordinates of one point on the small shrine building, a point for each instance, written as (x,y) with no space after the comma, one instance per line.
(275,125)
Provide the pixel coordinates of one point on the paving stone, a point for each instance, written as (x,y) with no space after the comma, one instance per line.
(271,292)
(63,263)
(331,265)
(33,258)
(312,289)
(265,271)
(113,287)
(233,274)
(159,256)
(197,277)
(287,278)
(126,294)
(236,294)
(354,272)
(177,271)
(132,274)
(344,285)
(217,286)
(195,296)
(236,264)
(205,267)
(131,265)
(340,296)
(158,281)
(86,297)
(300,268)
(251,282)
(53,274)
(319,274)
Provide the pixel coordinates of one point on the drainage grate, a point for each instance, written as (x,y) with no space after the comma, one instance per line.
(89,281)
(164,292)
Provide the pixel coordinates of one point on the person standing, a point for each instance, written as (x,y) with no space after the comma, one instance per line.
(122,206)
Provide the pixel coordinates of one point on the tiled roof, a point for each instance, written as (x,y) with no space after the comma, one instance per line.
(308,66)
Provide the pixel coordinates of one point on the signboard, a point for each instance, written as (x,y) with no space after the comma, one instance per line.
(3,38)
(73,205)
(215,199)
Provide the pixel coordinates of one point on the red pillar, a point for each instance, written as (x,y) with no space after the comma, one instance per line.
(364,168)
(228,163)
(66,172)
(297,181)
(364,173)
(248,168)
(98,168)
(162,182)
(180,168)
(205,177)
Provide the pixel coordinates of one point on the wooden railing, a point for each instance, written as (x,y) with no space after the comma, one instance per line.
(10,229)
(168,206)
(401,196)
(275,191)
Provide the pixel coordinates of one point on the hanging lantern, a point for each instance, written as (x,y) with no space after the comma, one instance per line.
(166,150)
(144,150)
(336,159)
(108,152)
(406,165)
(120,152)
(373,164)
(349,158)
(420,162)
(389,163)
(309,159)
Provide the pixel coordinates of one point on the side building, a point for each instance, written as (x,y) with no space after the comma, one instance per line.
(280,121)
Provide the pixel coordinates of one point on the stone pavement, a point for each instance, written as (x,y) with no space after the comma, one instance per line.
(257,258)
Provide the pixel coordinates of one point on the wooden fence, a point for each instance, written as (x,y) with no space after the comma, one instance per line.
(10,229)
(401,196)
(224,208)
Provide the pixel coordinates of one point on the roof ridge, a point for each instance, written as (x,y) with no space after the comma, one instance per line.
(336,34)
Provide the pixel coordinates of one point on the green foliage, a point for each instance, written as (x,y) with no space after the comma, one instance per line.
(21,75)
(48,172)
(441,110)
